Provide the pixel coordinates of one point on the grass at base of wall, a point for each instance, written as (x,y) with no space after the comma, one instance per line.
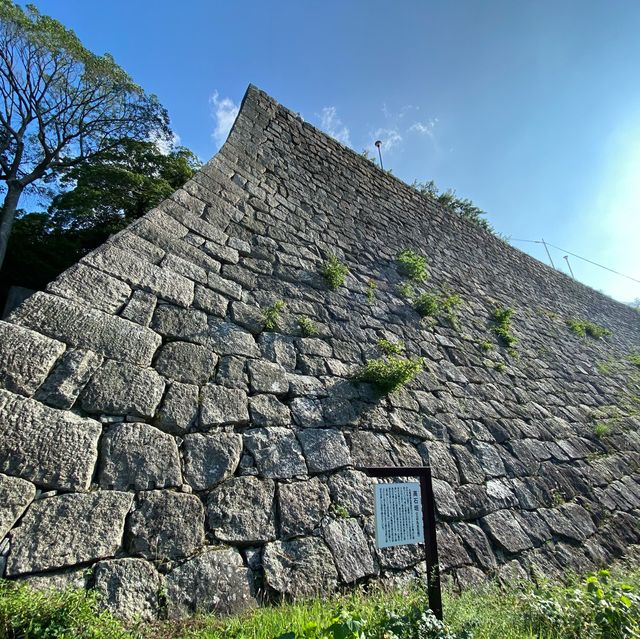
(597,606)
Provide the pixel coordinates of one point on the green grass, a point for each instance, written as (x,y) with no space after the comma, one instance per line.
(334,272)
(307,326)
(427,305)
(584,328)
(603,605)
(635,359)
(388,374)
(389,347)
(502,328)
(271,315)
(412,265)
(371,291)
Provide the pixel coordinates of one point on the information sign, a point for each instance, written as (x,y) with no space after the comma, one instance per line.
(398,514)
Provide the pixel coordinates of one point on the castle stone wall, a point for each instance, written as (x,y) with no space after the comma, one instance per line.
(160,444)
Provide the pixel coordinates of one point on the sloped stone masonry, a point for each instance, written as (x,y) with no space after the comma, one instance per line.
(158,444)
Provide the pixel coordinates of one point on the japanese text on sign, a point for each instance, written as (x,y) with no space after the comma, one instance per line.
(398,513)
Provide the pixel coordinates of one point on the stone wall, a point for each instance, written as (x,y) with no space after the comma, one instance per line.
(159,443)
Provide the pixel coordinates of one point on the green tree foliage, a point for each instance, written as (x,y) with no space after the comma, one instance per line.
(463,207)
(61,105)
(107,192)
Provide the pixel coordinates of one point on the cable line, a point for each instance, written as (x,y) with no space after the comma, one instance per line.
(606,268)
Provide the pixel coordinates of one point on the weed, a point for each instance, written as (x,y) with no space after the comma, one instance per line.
(271,315)
(30,614)
(485,345)
(501,367)
(449,304)
(601,429)
(635,359)
(406,290)
(412,265)
(605,368)
(391,372)
(334,272)
(390,348)
(307,326)
(427,305)
(584,328)
(338,510)
(371,291)
(502,318)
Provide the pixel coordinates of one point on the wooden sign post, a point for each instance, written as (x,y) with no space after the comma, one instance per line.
(405,514)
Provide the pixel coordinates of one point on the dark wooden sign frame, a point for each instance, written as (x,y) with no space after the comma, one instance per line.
(423,473)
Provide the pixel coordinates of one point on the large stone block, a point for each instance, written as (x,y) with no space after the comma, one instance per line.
(324,449)
(226,338)
(350,549)
(222,405)
(128,588)
(51,448)
(67,530)
(179,408)
(186,362)
(140,274)
(26,357)
(276,452)
(139,457)
(91,287)
(123,389)
(352,490)
(267,377)
(68,378)
(166,525)
(241,510)
(299,568)
(15,495)
(268,410)
(73,323)
(214,582)
(505,530)
(210,458)
(302,505)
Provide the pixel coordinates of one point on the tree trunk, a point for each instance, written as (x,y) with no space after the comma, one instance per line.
(8,215)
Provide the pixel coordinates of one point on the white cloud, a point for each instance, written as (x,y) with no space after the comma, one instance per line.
(390,138)
(224,112)
(333,125)
(425,128)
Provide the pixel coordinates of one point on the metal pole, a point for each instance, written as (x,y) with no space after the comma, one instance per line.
(566,257)
(378,143)
(430,543)
(548,254)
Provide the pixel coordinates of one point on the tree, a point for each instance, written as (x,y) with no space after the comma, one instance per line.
(107,192)
(112,189)
(61,105)
(460,206)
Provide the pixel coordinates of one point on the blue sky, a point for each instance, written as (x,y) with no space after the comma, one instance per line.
(531,109)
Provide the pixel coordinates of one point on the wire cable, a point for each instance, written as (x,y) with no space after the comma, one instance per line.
(606,268)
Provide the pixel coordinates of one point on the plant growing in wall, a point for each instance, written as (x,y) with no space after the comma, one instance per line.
(390,348)
(392,371)
(412,265)
(371,291)
(584,328)
(307,326)
(427,305)
(271,315)
(502,318)
(406,290)
(334,272)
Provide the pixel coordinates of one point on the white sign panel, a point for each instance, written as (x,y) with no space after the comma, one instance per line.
(398,512)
